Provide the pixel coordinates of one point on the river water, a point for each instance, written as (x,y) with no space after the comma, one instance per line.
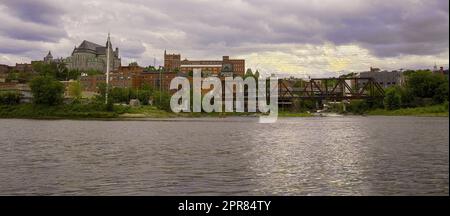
(230,156)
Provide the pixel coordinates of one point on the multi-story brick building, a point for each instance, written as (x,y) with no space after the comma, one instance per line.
(156,80)
(224,67)
(130,77)
(4,69)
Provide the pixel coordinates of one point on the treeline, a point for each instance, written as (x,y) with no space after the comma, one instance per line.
(57,70)
(145,94)
(47,90)
(422,88)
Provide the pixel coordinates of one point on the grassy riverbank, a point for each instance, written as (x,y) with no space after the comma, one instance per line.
(436,110)
(32,111)
(100,111)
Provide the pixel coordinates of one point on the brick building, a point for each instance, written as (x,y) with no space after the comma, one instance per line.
(224,67)
(26,68)
(156,80)
(130,77)
(4,69)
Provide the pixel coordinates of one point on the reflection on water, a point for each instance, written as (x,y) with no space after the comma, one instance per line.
(234,156)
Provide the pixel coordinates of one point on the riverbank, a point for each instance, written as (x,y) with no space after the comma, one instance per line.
(429,111)
(99,111)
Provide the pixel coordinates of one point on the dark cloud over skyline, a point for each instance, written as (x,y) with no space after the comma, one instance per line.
(333,35)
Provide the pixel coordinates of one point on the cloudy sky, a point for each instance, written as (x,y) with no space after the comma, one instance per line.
(294,37)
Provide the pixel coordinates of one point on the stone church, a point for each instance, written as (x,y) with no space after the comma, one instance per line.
(92,56)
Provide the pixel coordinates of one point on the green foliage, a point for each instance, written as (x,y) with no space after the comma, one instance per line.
(441,93)
(423,88)
(119,95)
(162,100)
(303,105)
(146,87)
(75,90)
(124,95)
(21,77)
(9,97)
(435,110)
(90,72)
(92,109)
(57,70)
(102,90)
(425,84)
(357,107)
(392,99)
(12,76)
(109,106)
(151,68)
(144,96)
(46,90)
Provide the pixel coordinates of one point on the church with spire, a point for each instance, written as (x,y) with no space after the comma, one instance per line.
(92,56)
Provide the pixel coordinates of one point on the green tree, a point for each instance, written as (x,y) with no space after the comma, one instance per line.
(162,100)
(9,97)
(75,90)
(90,72)
(55,69)
(424,83)
(146,87)
(144,96)
(24,77)
(392,99)
(151,68)
(102,89)
(47,90)
(441,93)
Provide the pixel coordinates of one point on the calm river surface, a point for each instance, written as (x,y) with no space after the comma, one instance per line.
(231,156)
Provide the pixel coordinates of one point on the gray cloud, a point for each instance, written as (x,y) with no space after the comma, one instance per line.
(31,20)
(43,11)
(209,29)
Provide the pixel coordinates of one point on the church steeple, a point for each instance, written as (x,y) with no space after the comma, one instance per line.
(49,57)
(108,42)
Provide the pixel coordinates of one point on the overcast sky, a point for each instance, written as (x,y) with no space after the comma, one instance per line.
(314,37)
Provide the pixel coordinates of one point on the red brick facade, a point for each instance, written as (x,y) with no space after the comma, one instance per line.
(224,67)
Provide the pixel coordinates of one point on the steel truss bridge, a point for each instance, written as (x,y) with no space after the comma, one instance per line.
(330,89)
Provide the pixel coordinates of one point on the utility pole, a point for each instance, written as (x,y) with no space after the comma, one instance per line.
(160,86)
(107,69)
